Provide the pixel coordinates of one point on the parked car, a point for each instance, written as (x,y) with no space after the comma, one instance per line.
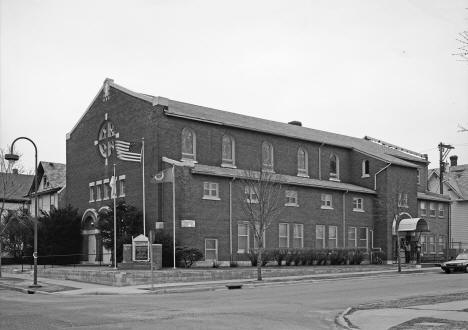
(460,263)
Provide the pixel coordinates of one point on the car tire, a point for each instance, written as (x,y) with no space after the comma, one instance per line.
(466,269)
(447,271)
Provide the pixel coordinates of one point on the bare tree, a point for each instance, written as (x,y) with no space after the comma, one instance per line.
(462,129)
(262,201)
(463,49)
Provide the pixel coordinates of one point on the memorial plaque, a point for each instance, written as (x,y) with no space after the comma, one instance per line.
(141,252)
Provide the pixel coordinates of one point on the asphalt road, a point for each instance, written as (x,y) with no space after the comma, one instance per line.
(304,305)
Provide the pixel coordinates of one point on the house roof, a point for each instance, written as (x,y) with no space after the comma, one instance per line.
(55,173)
(433,197)
(17,187)
(456,179)
(284,179)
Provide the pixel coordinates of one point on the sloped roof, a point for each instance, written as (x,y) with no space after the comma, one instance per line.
(17,186)
(456,179)
(431,196)
(56,176)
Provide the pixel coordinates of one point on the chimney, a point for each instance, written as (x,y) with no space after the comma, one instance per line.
(15,171)
(453,160)
(295,122)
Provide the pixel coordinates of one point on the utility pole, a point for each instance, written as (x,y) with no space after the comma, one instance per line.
(444,150)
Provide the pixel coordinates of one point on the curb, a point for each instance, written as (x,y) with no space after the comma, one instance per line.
(343,321)
(22,290)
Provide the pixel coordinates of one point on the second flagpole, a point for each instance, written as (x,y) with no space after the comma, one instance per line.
(143,174)
(115,229)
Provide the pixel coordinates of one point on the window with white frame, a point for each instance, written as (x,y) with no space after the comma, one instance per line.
(402,200)
(291,198)
(189,144)
(365,168)
(302,163)
(334,167)
(91,192)
(441,245)
(320,236)
(327,201)
(298,236)
(228,151)
(283,229)
(422,208)
(122,186)
(432,209)
(267,157)
(210,190)
(352,237)
(332,237)
(418,175)
(441,210)
(423,241)
(211,249)
(358,204)
(363,237)
(431,244)
(251,195)
(99,190)
(106,189)
(242,237)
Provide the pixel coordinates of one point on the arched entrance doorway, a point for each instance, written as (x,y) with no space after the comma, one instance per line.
(91,245)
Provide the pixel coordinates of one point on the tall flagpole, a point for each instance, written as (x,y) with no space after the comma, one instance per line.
(173,213)
(115,228)
(143,174)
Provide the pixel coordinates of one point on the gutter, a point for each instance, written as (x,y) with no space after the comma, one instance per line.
(375,175)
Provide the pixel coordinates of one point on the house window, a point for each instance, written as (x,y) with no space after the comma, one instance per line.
(52,200)
(358,204)
(402,200)
(422,207)
(210,190)
(45,183)
(98,190)
(334,167)
(298,236)
(228,151)
(106,188)
(302,163)
(327,201)
(91,192)
(242,237)
(211,249)
(352,241)
(441,245)
(431,244)
(267,157)
(362,237)
(122,186)
(291,198)
(365,168)
(332,237)
(188,144)
(251,195)
(441,210)
(283,235)
(432,209)
(418,175)
(320,236)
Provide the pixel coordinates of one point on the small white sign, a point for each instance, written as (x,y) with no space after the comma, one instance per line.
(159,225)
(188,223)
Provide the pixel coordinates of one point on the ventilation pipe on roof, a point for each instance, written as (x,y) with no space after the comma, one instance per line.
(295,122)
(15,171)
(453,160)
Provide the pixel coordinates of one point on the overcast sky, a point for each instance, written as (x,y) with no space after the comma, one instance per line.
(378,68)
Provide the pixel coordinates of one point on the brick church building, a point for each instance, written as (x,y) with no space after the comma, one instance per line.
(339,191)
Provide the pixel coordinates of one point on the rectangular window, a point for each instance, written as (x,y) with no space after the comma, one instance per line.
(441,210)
(402,200)
(122,186)
(358,205)
(291,198)
(99,190)
(352,240)
(332,237)
(91,192)
(298,236)
(210,190)
(422,207)
(363,237)
(327,201)
(320,236)
(251,195)
(211,249)
(242,237)
(283,235)
(441,245)
(106,189)
(432,209)
(418,174)
(431,244)
(423,244)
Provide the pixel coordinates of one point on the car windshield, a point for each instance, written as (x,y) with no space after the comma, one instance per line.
(463,256)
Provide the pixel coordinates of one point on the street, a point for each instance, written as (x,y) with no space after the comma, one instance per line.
(302,305)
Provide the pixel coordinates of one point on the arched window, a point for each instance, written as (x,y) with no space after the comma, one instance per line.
(267,157)
(365,168)
(334,167)
(302,163)
(228,151)
(189,144)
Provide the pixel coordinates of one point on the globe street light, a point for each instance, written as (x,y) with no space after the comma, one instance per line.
(13,158)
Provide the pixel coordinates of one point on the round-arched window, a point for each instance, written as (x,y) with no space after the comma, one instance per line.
(106,139)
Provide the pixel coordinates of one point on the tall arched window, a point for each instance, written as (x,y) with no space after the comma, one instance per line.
(189,144)
(267,157)
(365,168)
(228,151)
(334,167)
(302,163)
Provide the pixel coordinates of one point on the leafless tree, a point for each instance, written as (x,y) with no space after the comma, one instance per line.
(463,49)
(462,128)
(262,201)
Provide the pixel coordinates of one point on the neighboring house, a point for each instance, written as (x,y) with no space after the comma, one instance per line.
(455,185)
(51,179)
(337,189)
(14,189)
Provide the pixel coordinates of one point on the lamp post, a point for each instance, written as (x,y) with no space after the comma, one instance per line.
(13,158)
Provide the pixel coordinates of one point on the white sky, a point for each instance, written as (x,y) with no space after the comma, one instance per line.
(378,68)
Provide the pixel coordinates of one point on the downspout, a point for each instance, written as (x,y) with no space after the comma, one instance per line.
(344,218)
(320,161)
(375,176)
(230,218)
(449,236)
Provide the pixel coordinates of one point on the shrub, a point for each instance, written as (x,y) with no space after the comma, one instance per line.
(357,257)
(216,264)
(233,263)
(166,241)
(188,256)
(278,255)
(322,257)
(252,255)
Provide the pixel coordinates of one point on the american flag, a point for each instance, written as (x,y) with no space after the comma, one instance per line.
(130,151)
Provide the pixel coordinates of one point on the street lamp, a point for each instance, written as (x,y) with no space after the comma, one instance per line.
(13,158)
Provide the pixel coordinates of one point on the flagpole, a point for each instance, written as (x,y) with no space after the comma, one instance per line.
(115,229)
(173,214)
(143,174)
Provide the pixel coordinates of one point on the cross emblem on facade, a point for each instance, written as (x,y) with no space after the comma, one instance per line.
(106,139)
